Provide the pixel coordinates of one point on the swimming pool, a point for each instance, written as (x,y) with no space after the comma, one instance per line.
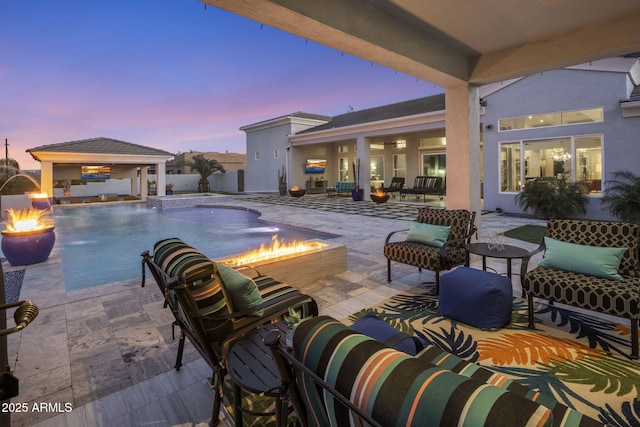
(102,244)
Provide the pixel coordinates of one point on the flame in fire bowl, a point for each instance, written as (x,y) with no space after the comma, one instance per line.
(27,239)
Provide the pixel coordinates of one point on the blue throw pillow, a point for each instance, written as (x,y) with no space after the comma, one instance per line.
(590,260)
(241,290)
(432,235)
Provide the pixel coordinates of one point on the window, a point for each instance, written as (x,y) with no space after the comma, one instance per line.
(573,158)
(377,171)
(343,149)
(400,165)
(257,155)
(276,153)
(551,119)
(343,169)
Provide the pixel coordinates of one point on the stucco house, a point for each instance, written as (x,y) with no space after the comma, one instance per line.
(579,123)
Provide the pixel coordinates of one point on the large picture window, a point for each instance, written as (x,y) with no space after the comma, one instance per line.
(573,158)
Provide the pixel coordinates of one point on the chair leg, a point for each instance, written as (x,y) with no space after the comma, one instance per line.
(634,338)
(180,351)
(388,270)
(237,405)
(216,384)
(530,307)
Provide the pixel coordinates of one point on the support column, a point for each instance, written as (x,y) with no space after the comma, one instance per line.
(463,148)
(46,178)
(363,152)
(161,179)
(144,176)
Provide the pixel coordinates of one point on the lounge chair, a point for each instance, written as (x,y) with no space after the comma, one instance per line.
(395,186)
(214,305)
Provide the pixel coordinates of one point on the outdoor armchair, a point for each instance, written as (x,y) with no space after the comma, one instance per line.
(419,247)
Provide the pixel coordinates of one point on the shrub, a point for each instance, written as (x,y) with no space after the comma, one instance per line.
(553,198)
(622,196)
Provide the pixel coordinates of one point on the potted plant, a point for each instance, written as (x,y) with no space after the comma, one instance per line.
(622,196)
(553,198)
(293,319)
(282,181)
(169,189)
(356,194)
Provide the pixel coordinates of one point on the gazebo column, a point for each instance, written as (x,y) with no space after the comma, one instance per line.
(46,178)
(144,177)
(463,148)
(161,179)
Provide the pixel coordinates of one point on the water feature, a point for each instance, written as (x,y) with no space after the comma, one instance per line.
(102,244)
(18,175)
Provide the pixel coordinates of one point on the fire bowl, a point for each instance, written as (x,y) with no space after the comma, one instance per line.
(28,247)
(379,199)
(42,204)
(297,193)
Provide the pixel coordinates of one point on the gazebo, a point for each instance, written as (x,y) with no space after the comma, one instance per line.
(66,161)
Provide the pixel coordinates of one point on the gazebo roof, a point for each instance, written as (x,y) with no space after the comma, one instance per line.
(100,145)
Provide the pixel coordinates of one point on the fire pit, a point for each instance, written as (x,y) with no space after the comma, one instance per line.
(379,196)
(296,191)
(41,201)
(298,263)
(27,239)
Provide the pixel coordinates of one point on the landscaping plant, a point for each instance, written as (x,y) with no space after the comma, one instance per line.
(622,196)
(553,198)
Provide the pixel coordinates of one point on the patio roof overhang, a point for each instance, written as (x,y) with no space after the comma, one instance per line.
(457,41)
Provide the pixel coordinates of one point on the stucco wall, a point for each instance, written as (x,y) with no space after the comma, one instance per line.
(555,91)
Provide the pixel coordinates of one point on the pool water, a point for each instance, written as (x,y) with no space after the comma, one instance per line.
(102,244)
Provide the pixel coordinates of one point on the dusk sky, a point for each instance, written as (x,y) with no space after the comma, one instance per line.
(167,74)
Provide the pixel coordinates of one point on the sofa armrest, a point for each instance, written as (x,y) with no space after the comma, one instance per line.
(524,266)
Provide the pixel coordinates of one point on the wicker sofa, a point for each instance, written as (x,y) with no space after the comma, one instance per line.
(587,274)
(337,368)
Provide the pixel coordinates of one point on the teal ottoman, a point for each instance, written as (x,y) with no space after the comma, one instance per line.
(476,297)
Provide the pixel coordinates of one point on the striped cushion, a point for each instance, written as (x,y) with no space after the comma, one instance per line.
(177,259)
(562,415)
(396,389)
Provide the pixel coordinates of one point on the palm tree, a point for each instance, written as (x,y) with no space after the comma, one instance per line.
(8,168)
(622,195)
(204,167)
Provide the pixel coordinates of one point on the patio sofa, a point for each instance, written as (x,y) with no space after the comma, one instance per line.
(334,368)
(424,185)
(214,305)
(592,265)
(342,188)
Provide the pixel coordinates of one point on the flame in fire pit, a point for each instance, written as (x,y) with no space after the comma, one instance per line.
(39,195)
(295,188)
(379,192)
(25,220)
(277,249)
